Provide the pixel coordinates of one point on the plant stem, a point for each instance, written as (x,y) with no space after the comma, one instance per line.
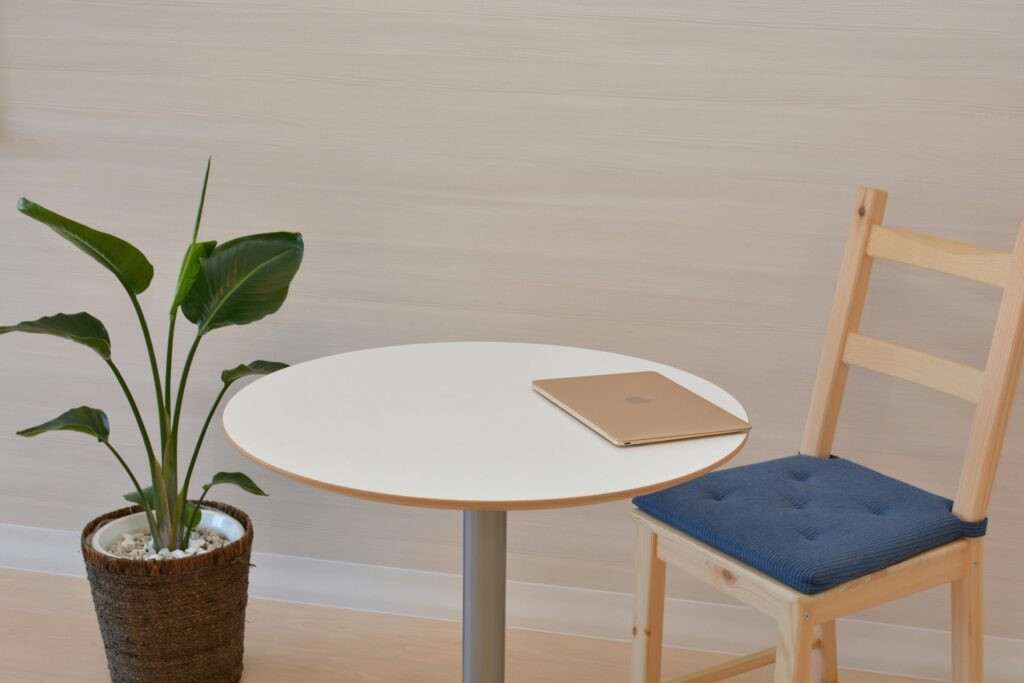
(170,356)
(171,458)
(135,409)
(174,309)
(183,492)
(138,489)
(169,454)
(163,511)
(170,482)
(162,409)
(181,384)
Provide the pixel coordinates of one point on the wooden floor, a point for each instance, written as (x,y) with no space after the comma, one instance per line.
(48,633)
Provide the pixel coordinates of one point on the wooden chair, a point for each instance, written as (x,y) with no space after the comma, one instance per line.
(806,622)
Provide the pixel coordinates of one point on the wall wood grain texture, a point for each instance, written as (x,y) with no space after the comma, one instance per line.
(665,179)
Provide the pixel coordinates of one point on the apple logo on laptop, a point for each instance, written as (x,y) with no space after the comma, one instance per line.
(637,400)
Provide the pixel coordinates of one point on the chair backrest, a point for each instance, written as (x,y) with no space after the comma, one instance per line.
(991,389)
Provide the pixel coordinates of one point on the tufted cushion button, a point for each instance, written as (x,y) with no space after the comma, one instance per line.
(877,508)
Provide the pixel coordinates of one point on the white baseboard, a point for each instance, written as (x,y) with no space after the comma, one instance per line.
(865,645)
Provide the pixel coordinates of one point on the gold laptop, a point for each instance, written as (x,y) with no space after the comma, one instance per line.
(638,407)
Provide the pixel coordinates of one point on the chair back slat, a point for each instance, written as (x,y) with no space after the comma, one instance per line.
(992,389)
(934,372)
(946,256)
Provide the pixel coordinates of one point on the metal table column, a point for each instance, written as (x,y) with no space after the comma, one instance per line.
(483,596)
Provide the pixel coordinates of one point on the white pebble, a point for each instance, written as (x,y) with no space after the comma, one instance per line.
(139,546)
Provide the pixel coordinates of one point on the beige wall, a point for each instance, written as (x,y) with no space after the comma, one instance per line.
(666,179)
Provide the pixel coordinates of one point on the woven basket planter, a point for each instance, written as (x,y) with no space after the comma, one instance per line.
(172,621)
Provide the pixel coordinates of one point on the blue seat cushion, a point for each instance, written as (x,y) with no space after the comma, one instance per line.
(812,523)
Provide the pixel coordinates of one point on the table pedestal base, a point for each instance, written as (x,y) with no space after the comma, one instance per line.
(483,596)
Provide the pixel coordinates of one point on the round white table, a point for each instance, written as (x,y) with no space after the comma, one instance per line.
(458,425)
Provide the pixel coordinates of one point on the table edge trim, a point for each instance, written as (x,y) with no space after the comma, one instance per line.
(450,504)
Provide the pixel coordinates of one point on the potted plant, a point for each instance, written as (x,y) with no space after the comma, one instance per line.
(169,575)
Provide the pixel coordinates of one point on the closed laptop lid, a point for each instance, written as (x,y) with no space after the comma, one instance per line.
(638,407)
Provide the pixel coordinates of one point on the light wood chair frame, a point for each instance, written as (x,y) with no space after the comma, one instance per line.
(806,640)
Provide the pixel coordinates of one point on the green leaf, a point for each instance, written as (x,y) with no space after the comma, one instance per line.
(202,198)
(193,515)
(148,492)
(257,367)
(194,255)
(243,280)
(196,251)
(82,419)
(78,327)
(238,479)
(126,262)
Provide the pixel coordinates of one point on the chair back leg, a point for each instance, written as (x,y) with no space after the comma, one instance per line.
(968,632)
(648,609)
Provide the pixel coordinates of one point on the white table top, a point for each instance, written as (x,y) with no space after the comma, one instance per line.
(458,425)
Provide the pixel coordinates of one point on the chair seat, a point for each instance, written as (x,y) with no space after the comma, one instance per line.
(812,523)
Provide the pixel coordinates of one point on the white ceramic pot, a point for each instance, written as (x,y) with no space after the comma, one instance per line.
(106,535)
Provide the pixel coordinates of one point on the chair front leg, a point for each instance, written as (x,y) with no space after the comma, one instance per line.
(826,661)
(968,628)
(795,644)
(648,609)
